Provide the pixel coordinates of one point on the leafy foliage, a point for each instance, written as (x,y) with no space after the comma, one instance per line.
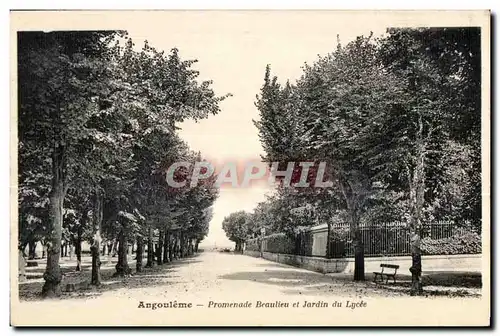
(275,243)
(461,243)
(98,123)
(237,227)
(396,119)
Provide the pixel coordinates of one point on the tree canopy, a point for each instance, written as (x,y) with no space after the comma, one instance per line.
(396,119)
(98,121)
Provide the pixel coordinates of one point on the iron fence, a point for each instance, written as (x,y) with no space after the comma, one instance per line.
(381,239)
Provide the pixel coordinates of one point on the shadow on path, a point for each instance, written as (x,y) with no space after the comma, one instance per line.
(156,276)
(297,282)
(270,266)
(448,284)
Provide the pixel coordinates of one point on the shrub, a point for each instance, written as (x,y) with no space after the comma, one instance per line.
(252,245)
(461,243)
(280,243)
(276,243)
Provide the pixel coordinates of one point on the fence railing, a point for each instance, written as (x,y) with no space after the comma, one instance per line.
(381,239)
(386,239)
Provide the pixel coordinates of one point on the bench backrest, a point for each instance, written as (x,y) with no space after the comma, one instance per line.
(389,266)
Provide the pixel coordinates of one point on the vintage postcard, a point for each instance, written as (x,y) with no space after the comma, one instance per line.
(250,168)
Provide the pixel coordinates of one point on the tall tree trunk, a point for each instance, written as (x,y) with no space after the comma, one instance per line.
(122,268)
(357,243)
(32,249)
(171,248)
(78,248)
(181,244)
(114,249)
(359,256)
(186,246)
(104,249)
(355,194)
(159,251)
(95,248)
(196,246)
(191,247)
(150,248)
(417,190)
(176,245)
(416,263)
(70,248)
(53,275)
(166,243)
(139,251)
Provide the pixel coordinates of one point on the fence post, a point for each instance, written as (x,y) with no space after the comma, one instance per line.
(262,233)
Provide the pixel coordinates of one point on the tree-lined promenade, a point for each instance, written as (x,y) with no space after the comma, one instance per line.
(98,121)
(397,119)
(393,123)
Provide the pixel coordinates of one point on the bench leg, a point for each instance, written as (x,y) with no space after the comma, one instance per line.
(375,278)
(392,277)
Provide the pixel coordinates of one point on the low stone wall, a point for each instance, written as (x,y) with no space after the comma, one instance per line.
(467,262)
(252,253)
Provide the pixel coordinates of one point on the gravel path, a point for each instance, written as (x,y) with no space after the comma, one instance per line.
(220,275)
(213,276)
(223,288)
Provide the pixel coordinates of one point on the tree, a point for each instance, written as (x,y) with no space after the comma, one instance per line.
(333,100)
(391,119)
(88,105)
(77,221)
(60,76)
(34,188)
(434,72)
(236,226)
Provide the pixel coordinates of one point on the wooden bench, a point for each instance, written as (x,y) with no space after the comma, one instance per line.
(381,274)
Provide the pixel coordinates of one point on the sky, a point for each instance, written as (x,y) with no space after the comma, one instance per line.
(233,49)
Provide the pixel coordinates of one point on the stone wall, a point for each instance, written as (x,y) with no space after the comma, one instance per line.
(467,262)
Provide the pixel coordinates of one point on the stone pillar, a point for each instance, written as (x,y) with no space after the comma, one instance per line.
(22,267)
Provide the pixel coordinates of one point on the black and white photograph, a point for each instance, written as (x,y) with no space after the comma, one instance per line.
(250,168)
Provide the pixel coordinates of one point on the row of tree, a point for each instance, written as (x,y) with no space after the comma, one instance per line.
(97,129)
(397,120)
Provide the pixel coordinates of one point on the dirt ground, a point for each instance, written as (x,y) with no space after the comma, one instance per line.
(215,275)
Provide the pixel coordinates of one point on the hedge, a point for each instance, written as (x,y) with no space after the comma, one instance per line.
(461,243)
(275,243)
(252,245)
(280,243)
